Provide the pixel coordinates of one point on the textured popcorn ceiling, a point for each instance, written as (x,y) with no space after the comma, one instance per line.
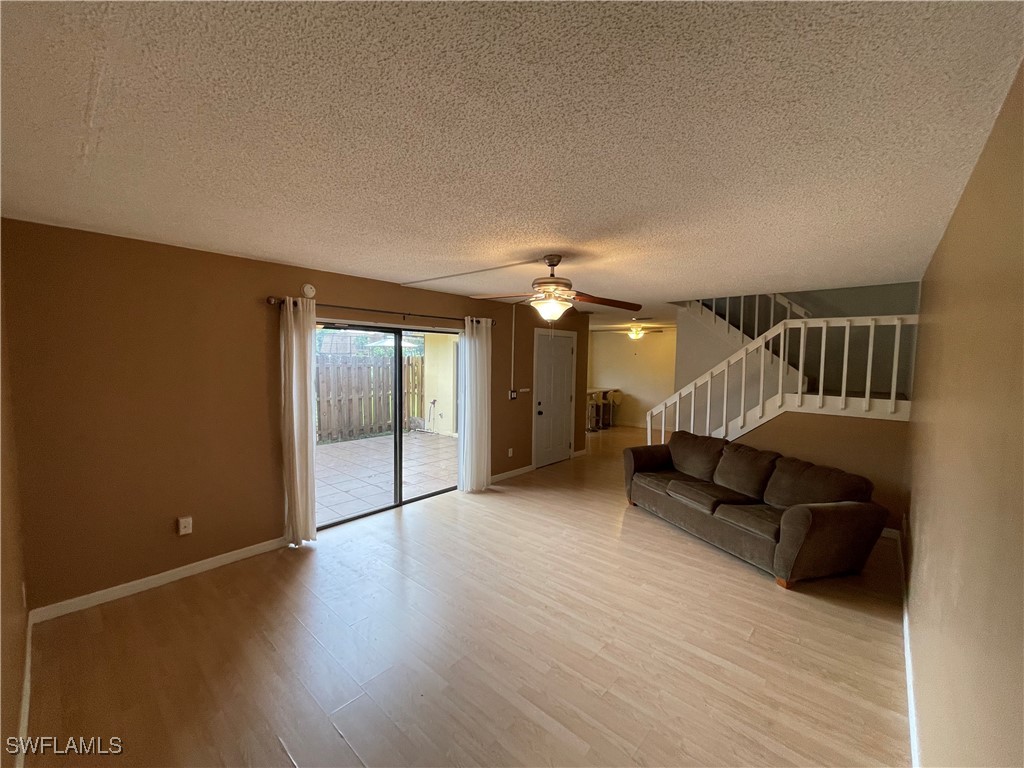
(672,150)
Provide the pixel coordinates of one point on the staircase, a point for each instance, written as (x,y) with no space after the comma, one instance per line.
(746,316)
(843,366)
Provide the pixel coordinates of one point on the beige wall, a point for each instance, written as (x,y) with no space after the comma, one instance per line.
(12,611)
(439,382)
(966,575)
(876,449)
(146,383)
(643,369)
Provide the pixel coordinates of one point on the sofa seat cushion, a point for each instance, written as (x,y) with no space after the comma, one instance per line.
(745,469)
(706,496)
(696,455)
(658,481)
(800,482)
(760,519)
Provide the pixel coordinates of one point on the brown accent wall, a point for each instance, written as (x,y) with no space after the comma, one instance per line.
(876,449)
(966,579)
(13,615)
(146,384)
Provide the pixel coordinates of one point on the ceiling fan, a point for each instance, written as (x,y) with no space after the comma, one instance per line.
(635,331)
(553,295)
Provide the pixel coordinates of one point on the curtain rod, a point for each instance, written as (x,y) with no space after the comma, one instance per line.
(272,300)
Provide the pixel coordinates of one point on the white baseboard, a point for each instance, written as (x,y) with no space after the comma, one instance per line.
(54,610)
(512,473)
(915,748)
(26,692)
(47,612)
(577,454)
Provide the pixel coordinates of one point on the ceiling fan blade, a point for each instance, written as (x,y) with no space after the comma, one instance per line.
(580,296)
(504,296)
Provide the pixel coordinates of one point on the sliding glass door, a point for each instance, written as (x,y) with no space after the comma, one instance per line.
(430,427)
(384,415)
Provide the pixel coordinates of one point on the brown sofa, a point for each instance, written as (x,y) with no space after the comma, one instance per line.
(793,519)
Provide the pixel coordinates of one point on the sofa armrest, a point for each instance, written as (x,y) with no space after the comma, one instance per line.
(827,539)
(644,458)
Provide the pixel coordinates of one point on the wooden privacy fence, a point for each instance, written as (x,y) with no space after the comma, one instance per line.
(355,396)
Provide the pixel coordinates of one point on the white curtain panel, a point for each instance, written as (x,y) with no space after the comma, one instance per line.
(298,328)
(475,405)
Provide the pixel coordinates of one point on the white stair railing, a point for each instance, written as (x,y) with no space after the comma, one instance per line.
(732,398)
(764,309)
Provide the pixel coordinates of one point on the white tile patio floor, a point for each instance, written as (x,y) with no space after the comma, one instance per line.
(356,476)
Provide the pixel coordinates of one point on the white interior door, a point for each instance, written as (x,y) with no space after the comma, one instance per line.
(554,373)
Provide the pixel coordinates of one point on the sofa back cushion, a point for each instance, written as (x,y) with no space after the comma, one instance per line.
(695,455)
(745,469)
(800,482)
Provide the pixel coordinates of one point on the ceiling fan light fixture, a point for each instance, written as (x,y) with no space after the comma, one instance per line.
(552,295)
(550,307)
(635,332)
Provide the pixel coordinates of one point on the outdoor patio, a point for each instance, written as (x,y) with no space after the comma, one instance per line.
(356,476)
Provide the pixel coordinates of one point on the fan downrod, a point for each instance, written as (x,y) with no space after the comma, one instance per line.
(553,260)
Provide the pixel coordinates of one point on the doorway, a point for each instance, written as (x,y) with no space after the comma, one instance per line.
(384,415)
(554,382)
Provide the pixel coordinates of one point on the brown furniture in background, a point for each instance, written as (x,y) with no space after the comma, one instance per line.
(601,404)
(794,519)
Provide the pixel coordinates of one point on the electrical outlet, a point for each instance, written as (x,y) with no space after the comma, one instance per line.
(184,526)
(512,394)
(510,453)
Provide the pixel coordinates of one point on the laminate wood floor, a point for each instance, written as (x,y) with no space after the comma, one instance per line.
(544,622)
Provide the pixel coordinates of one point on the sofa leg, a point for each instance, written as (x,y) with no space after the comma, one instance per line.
(784,584)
